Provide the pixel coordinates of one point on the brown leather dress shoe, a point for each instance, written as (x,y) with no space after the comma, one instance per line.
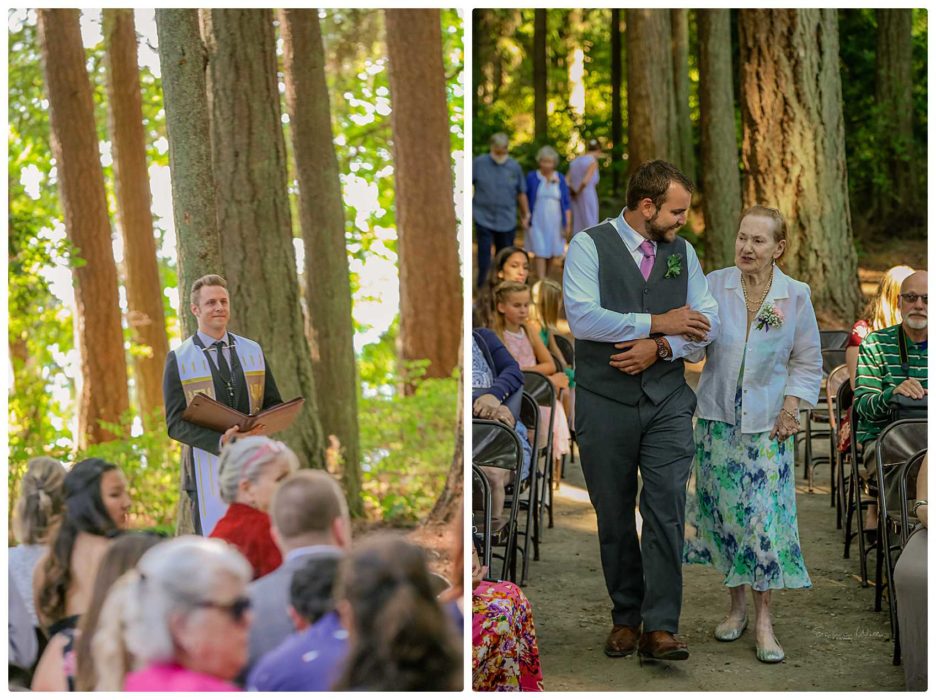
(622,641)
(662,645)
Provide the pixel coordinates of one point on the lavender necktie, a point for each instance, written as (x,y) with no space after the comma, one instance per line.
(649,256)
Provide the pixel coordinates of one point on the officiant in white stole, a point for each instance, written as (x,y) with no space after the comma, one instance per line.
(228,368)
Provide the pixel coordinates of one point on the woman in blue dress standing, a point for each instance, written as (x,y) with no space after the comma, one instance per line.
(551,212)
(762,369)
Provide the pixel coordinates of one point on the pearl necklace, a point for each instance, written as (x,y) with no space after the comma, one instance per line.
(747,304)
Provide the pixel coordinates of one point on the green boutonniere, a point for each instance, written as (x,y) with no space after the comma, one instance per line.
(673,266)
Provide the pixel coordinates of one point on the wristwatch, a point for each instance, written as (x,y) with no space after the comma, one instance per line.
(663,350)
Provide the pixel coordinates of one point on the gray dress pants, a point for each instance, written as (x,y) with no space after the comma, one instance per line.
(644,577)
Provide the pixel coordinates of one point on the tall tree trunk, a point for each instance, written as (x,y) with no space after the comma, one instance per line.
(84,209)
(182,61)
(321,214)
(447,505)
(651,103)
(897,196)
(679,21)
(617,145)
(144,291)
(249,162)
(477,76)
(793,146)
(721,180)
(540,116)
(430,282)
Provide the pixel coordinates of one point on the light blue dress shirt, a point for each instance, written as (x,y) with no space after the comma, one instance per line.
(588,320)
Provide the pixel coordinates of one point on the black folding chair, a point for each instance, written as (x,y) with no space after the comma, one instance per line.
(527,495)
(831,360)
(544,393)
(896,445)
(481,495)
(494,445)
(843,401)
(833,339)
(859,502)
(568,353)
(907,479)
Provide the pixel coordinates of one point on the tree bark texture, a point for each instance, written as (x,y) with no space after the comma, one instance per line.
(617,142)
(84,208)
(894,93)
(679,20)
(182,61)
(793,146)
(249,163)
(145,315)
(430,281)
(321,214)
(540,116)
(651,103)
(721,178)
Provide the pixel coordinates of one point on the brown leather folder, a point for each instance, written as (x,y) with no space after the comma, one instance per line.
(208,413)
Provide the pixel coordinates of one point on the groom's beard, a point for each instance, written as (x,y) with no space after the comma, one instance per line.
(658,233)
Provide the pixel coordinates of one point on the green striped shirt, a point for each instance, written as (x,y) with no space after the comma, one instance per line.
(879,373)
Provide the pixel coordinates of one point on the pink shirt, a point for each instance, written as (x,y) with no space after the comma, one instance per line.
(174,678)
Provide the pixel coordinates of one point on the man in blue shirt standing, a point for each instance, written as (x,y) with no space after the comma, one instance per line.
(499,187)
(638,303)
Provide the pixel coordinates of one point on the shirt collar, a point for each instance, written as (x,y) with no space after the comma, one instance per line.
(208,341)
(779,288)
(313,549)
(632,239)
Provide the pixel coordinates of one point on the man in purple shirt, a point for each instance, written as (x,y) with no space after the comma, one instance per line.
(312,657)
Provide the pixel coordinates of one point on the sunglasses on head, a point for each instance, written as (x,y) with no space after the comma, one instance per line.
(912,298)
(236,610)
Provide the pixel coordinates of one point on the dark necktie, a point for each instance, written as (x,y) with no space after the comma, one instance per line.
(223,368)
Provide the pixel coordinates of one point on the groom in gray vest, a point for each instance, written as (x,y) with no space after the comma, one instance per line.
(637,303)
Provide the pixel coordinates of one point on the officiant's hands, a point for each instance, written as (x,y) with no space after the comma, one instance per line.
(637,355)
(234,432)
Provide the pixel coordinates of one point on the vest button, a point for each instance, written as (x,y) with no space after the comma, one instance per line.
(646,291)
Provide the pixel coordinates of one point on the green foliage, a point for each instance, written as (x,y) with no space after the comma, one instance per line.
(407,440)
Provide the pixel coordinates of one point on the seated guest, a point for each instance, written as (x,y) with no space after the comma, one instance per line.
(400,637)
(180,617)
(310,524)
(910,586)
(67,662)
(496,388)
(892,362)
(504,655)
(96,506)
(38,509)
(250,469)
(310,658)
(22,644)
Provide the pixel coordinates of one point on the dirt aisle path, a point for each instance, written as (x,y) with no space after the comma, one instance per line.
(832,637)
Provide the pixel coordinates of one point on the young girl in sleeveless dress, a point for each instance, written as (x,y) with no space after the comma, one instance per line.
(512,310)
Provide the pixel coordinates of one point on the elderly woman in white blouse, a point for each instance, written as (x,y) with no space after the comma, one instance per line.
(762,369)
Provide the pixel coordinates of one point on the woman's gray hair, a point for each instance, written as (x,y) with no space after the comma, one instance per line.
(171,578)
(548,152)
(245,458)
(500,140)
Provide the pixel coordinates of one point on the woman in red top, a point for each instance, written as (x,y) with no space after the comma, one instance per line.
(250,469)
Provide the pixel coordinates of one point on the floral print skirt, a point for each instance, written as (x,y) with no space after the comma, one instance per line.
(741,519)
(503,640)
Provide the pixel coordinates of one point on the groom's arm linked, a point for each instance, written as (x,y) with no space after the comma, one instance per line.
(588,320)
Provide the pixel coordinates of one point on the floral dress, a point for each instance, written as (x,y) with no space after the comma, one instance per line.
(504,655)
(744,507)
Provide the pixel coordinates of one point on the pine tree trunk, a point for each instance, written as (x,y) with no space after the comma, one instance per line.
(249,163)
(651,103)
(540,124)
(182,63)
(721,180)
(84,208)
(897,196)
(793,146)
(679,20)
(321,214)
(430,280)
(144,292)
(617,143)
